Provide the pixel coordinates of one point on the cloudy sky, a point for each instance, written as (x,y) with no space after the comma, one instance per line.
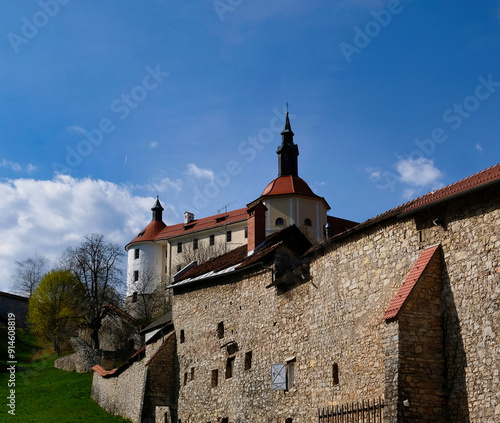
(105,105)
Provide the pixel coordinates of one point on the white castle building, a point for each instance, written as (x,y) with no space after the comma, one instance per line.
(159,251)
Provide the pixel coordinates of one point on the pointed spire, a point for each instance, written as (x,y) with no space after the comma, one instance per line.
(287,151)
(157,210)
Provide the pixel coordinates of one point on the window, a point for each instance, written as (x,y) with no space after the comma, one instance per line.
(246,232)
(228,236)
(280,221)
(185,378)
(220,330)
(191,377)
(335,374)
(183,339)
(136,253)
(290,373)
(179,247)
(134,297)
(308,222)
(248,360)
(212,240)
(166,269)
(195,244)
(166,253)
(136,275)
(229,367)
(215,378)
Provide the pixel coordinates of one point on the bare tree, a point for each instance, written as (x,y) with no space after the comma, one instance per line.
(149,300)
(202,253)
(95,263)
(29,273)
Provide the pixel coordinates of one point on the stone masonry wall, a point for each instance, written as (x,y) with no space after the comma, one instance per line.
(422,368)
(122,395)
(162,381)
(336,319)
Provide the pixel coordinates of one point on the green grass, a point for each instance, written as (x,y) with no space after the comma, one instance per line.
(47,394)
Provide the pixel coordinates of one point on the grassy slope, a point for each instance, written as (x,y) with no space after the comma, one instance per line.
(46,394)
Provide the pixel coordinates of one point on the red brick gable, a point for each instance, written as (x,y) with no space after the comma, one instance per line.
(411,280)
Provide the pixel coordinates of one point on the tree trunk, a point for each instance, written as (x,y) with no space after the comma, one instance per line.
(95,338)
(57,347)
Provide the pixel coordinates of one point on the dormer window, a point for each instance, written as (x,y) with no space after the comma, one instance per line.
(280,221)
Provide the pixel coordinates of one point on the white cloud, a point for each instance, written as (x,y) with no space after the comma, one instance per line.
(16,167)
(76,128)
(47,216)
(13,165)
(197,172)
(374,174)
(153,144)
(419,172)
(479,147)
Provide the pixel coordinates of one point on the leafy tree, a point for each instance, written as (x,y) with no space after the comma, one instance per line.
(54,309)
(29,273)
(95,263)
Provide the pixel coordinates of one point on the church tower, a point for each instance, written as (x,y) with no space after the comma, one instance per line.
(288,152)
(289,199)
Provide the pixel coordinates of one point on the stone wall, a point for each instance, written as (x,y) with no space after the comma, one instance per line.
(335,319)
(136,391)
(162,381)
(124,394)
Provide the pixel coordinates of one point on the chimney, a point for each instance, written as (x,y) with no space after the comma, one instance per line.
(256,226)
(188,218)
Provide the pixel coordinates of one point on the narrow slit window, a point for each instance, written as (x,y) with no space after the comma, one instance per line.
(182,337)
(248,360)
(220,330)
(179,247)
(230,367)
(212,240)
(195,244)
(335,374)
(136,253)
(215,378)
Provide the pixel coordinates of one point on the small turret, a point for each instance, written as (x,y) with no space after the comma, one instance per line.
(157,210)
(288,152)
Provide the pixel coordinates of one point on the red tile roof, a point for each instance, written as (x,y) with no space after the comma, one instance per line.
(155,232)
(289,185)
(150,232)
(238,258)
(481,179)
(484,177)
(116,371)
(411,280)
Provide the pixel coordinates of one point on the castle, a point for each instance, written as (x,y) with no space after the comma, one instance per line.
(396,319)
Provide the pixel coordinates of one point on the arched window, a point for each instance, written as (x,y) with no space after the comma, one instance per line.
(308,222)
(280,221)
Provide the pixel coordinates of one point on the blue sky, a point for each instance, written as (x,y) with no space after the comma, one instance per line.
(388,100)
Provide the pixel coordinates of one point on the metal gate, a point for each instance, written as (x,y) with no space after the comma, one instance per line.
(371,411)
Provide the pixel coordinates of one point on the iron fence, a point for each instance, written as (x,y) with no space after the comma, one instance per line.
(371,411)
